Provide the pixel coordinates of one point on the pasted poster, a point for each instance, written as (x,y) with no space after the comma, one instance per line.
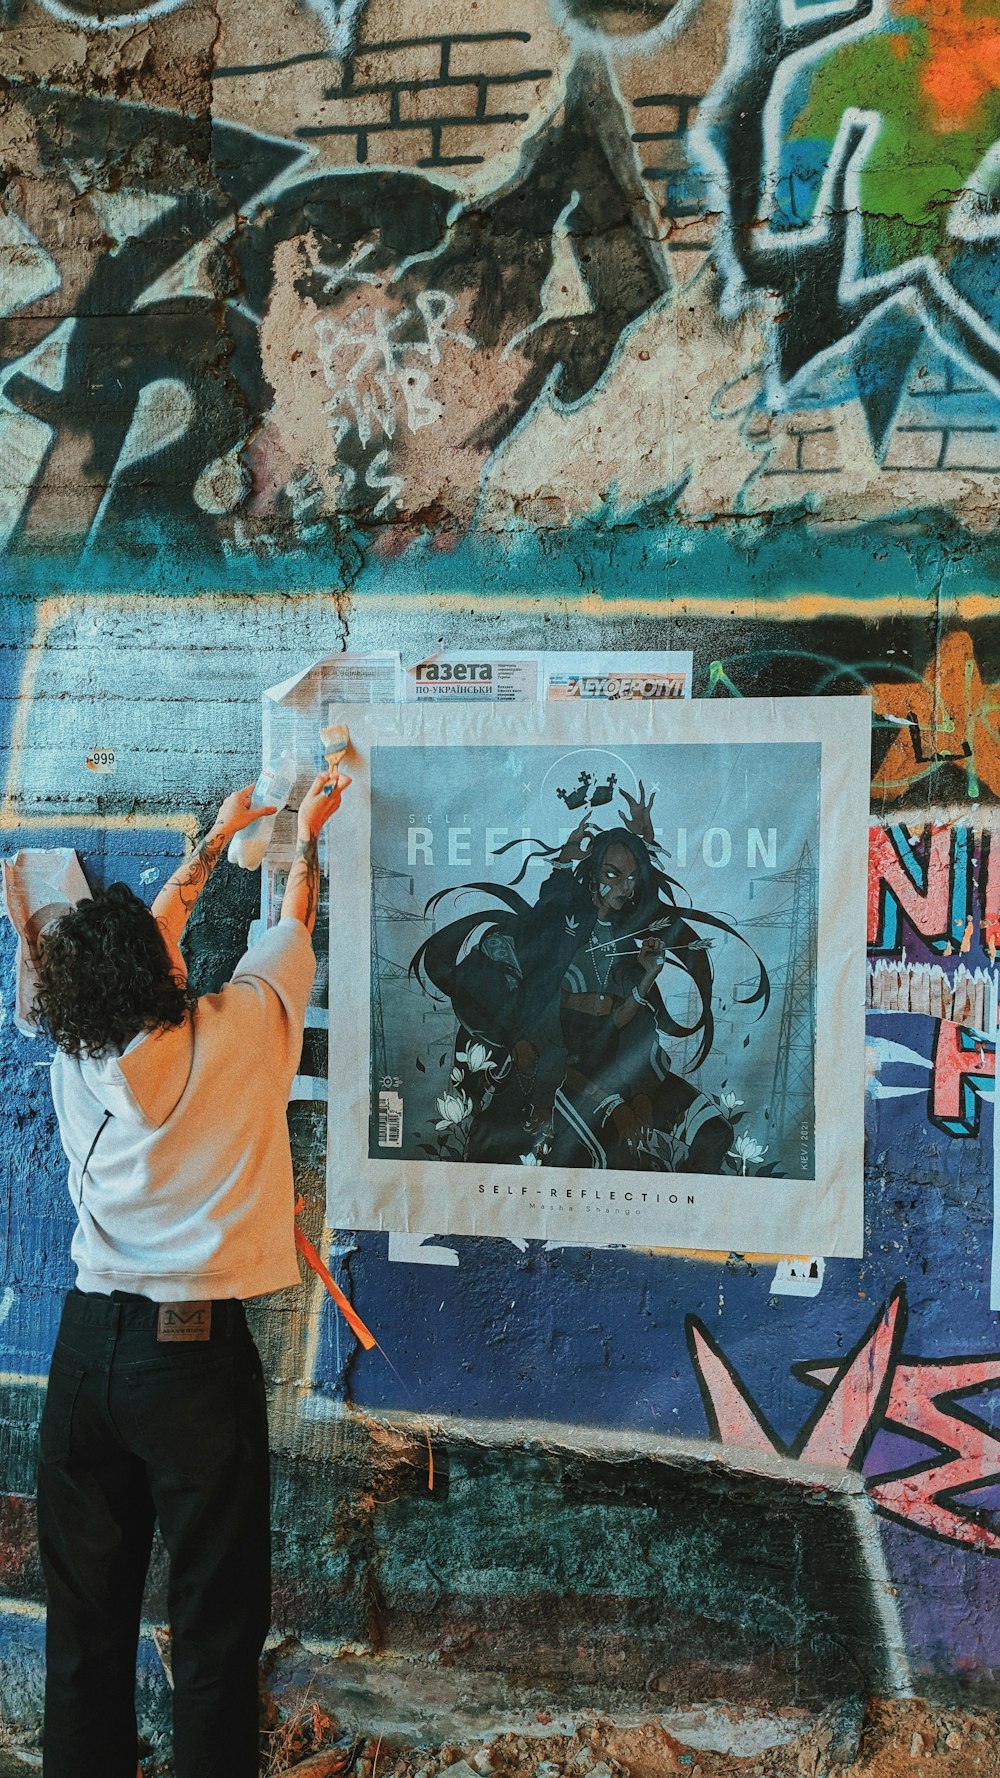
(607,980)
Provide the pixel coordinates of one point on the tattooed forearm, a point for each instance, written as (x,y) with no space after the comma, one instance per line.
(176,899)
(192,878)
(308,851)
(301,897)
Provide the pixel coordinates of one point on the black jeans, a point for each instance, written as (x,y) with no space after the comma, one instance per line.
(135,1431)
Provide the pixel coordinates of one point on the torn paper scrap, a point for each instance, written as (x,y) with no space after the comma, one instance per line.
(38,887)
(798,1277)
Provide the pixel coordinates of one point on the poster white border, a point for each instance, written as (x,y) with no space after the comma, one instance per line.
(692,1211)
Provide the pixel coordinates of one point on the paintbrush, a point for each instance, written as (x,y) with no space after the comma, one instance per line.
(335,741)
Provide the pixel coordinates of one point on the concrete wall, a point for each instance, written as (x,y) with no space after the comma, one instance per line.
(630,325)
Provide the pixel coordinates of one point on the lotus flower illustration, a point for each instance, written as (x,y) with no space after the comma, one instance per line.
(476,1057)
(453,1109)
(748,1151)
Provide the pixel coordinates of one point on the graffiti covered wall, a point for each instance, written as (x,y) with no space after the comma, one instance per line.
(624,326)
(366,268)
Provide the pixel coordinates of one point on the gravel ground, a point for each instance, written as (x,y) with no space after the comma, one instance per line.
(894,1740)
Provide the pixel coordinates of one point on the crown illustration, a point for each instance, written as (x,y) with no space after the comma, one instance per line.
(575,799)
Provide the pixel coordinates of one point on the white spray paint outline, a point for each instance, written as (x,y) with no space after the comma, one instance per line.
(852,284)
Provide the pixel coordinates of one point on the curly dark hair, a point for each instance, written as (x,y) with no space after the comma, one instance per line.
(105,974)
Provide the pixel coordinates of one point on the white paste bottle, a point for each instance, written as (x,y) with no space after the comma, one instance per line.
(273,788)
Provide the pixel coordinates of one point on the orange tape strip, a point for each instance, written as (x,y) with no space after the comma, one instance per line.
(350,1315)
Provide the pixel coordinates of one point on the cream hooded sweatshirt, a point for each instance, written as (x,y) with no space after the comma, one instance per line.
(189,1191)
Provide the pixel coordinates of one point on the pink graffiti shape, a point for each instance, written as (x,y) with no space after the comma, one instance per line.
(912,1397)
(736,1417)
(853,1397)
(968,1454)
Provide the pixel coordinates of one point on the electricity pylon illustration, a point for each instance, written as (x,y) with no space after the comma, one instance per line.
(794,1065)
(384,912)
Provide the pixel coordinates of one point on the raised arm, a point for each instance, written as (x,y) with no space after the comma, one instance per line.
(174,904)
(322,799)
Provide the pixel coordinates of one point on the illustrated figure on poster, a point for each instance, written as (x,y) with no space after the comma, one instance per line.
(566,1053)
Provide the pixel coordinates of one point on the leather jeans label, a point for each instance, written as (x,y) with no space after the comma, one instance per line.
(184,1321)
